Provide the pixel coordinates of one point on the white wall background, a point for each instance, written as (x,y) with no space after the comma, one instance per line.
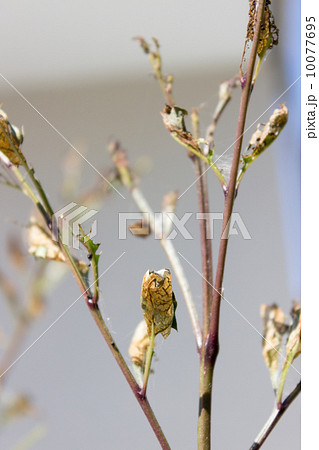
(49,41)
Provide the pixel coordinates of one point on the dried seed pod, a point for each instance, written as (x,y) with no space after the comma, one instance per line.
(158,302)
(139,345)
(10,138)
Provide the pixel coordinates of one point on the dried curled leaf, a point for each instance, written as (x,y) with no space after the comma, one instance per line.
(10,140)
(16,407)
(265,136)
(141,228)
(158,302)
(41,245)
(274,329)
(173,118)
(280,340)
(269,33)
(294,339)
(139,345)
(262,138)
(293,348)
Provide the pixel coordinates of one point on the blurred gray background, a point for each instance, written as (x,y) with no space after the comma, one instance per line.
(77,64)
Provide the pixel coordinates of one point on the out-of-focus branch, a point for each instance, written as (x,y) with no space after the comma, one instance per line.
(121,162)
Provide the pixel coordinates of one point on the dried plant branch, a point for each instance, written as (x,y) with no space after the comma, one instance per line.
(165,82)
(275,417)
(225,90)
(211,340)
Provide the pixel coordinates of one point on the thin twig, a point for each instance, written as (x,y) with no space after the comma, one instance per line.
(149,357)
(225,89)
(274,418)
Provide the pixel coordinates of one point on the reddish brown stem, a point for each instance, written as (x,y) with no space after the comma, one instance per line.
(206,245)
(142,400)
(211,341)
(275,417)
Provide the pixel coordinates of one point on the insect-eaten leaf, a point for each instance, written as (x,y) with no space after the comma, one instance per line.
(269,33)
(11,139)
(91,247)
(265,136)
(262,138)
(158,302)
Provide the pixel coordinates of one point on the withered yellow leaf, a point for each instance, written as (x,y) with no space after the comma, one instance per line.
(274,330)
(10,140)
(41,245)
(294,338)
(158,302)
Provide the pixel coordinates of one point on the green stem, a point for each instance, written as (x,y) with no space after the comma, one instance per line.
(287,363)
(211,341)
(202,157)
(148,362)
